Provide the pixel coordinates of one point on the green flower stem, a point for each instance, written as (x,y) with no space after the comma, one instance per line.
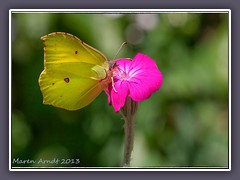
(128,112)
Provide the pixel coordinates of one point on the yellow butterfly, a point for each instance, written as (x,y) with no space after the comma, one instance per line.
(74,73)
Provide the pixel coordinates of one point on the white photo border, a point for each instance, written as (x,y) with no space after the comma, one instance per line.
(121,11)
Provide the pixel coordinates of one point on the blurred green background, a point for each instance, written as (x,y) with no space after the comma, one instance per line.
(185,123)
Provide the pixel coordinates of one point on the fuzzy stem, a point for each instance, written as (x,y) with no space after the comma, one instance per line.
(129,134)
(128,113)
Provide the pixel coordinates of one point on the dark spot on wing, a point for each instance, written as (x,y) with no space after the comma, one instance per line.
(66,80)
(53,83)
(76,52)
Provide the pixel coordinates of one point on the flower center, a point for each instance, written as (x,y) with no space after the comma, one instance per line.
(121,74)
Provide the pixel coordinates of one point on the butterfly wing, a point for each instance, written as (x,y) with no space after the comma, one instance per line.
(72,73)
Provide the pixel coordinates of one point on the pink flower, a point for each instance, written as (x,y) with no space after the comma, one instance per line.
(137,78)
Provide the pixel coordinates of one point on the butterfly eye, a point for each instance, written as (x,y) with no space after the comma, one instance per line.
(112,64)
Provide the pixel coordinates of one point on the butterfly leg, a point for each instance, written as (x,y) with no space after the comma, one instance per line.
(113,85)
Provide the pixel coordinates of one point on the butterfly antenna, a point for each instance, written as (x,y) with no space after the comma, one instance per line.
(125,42)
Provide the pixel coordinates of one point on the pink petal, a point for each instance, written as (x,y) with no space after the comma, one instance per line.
(118,98)
(145,77)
